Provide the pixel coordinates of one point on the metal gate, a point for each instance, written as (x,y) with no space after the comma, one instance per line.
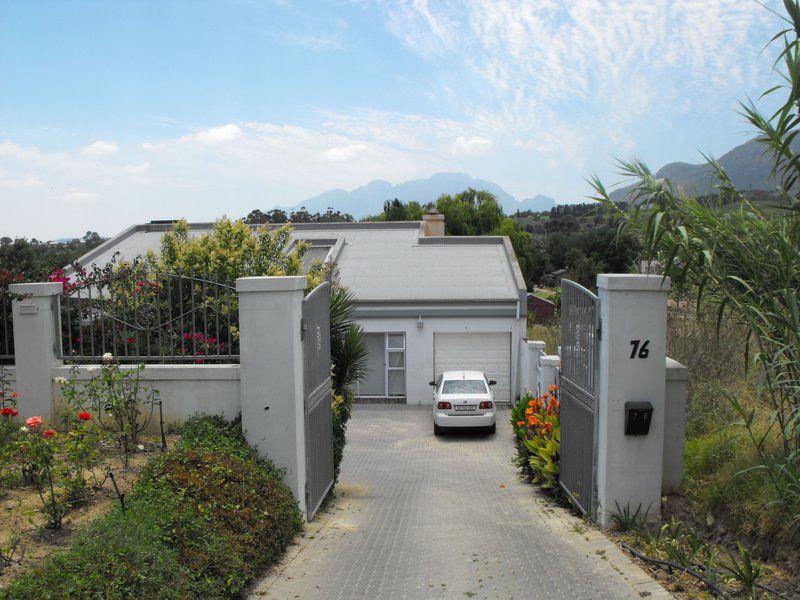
(315,334)
(580,336)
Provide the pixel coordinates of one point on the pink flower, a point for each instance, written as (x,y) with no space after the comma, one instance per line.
(34,422)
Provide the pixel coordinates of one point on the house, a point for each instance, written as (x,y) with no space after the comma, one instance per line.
(541,309)
(553,278)
(427,302)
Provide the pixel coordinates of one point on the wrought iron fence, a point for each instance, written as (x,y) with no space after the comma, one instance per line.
(149,317)
(6,328)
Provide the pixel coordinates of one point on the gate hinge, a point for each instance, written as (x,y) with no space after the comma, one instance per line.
(308,488)
(600,328)
(302,329)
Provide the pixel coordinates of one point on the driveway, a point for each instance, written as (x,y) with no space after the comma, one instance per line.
(422,517)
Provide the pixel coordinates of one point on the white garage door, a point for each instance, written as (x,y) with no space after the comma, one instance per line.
(487,352)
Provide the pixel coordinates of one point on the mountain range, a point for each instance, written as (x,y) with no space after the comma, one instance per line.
(368,199)
(747,165)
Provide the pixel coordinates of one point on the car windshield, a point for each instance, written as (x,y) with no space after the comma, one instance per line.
(464,386)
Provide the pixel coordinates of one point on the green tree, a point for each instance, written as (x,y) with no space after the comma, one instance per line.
(231,250)
(743,261)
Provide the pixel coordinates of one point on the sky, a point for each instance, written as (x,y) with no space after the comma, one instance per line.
(120,112)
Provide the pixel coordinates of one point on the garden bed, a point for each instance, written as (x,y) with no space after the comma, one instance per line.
(22,522)
(202,520)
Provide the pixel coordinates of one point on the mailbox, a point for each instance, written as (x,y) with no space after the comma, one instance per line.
(637,418)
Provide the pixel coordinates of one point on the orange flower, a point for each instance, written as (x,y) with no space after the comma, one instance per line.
(532,403)
(528,411)
(553,388)
(14,394)
(520,423)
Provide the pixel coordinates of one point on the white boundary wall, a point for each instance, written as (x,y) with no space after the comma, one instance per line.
(266,387)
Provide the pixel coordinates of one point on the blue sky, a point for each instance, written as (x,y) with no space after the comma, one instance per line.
(119,112)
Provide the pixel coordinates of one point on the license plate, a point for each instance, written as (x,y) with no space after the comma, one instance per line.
(464,407)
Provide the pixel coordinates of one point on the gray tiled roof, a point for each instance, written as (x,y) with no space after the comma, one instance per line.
(381,262)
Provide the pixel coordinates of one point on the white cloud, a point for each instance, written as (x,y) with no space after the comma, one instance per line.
(470,146)
(217,135)
(343,153)
(100,148)
(81,197)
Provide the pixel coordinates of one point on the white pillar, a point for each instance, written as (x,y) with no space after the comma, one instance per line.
(531,351)
(550,364)
(632,369)
(36,327)
(271,359)
(674,426)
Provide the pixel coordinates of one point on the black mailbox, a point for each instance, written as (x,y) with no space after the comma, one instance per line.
(637,418)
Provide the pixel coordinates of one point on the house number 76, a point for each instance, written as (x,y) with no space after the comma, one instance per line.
(640,351)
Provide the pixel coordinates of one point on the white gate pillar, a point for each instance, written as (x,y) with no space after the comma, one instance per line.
(36,320)
(633,310)
(271,377)
(550,364)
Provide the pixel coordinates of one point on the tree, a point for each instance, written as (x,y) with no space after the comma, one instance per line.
(471,212)
(231,250)
(742,261)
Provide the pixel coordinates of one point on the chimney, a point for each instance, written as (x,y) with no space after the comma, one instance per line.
(432,223)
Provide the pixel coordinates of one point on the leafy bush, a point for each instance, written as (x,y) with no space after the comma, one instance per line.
(202,522)
(536,428)
(342,405)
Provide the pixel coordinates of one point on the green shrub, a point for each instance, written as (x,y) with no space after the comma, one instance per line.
(203,520)
(342,405)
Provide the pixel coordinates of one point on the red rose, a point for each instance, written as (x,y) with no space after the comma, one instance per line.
(34,422)
(84,416)
(48,433)
(6,412)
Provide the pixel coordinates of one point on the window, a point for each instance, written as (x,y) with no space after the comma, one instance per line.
(464,386)
(387,366)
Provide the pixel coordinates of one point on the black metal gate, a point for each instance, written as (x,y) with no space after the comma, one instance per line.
(317,392)
(580,336)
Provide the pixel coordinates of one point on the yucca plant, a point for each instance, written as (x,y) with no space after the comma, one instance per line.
(741,259)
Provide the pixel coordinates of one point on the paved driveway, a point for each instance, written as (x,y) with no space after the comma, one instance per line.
(422,517)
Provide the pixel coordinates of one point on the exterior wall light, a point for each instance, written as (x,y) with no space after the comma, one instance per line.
(419,322)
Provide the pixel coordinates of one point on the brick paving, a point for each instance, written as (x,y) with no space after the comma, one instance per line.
(421,517)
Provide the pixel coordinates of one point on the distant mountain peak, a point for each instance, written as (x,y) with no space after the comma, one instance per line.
(747,166)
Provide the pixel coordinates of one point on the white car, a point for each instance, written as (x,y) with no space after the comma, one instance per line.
(463,399)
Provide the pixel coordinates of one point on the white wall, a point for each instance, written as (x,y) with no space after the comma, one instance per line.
(419,345)
(185,390)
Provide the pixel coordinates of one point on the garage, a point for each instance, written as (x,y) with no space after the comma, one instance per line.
(487,352)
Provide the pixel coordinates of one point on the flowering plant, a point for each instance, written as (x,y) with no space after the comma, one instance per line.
(535,420)
(39,446)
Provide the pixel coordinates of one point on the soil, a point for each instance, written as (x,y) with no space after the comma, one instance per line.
(21,516)
(781,571)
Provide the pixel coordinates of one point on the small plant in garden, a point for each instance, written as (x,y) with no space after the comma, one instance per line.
(38,445)
(81,451)
(536,426)
(626,519)
(117,398)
